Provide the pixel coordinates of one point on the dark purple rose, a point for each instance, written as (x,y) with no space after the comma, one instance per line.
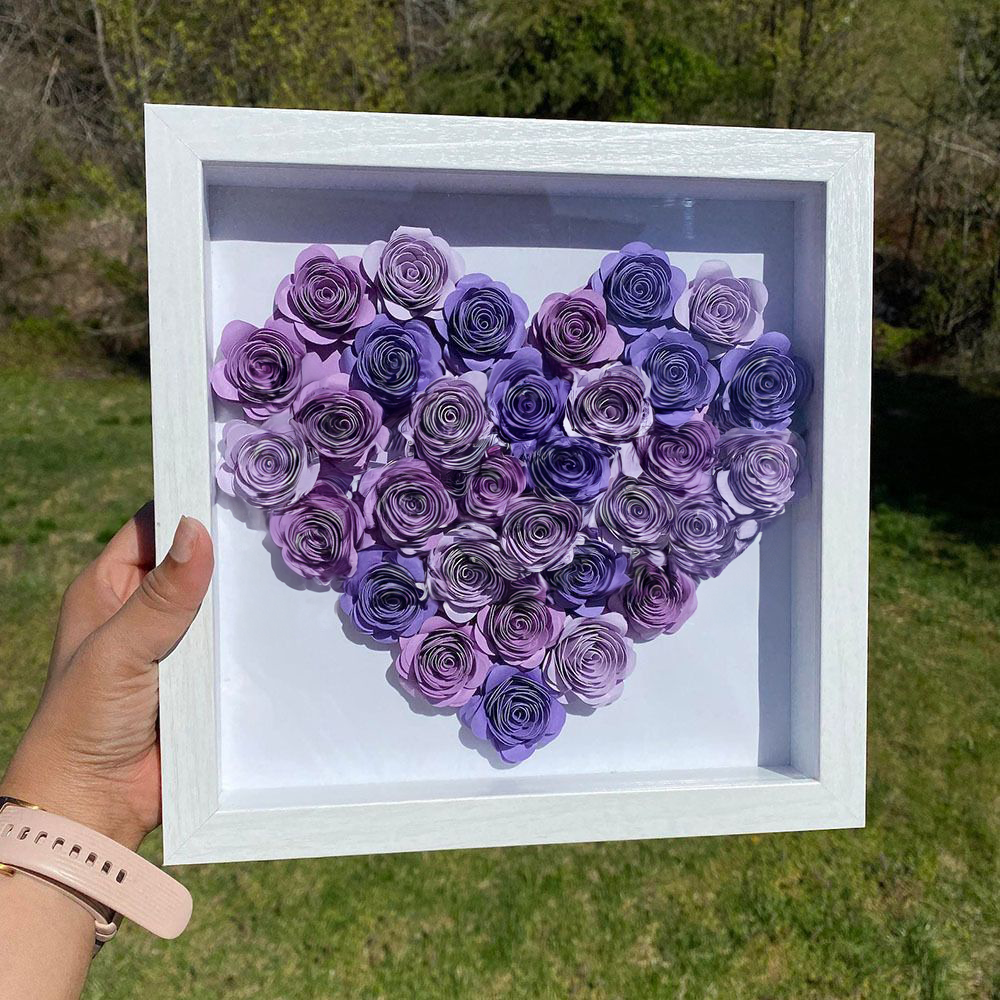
(540,534)
(609,405)
(406,505)
(325,297)
(413,272)
(524,403)
(704,536)
(573,330)
(448,425)
(467,570)
(591,660)
(656,600)
(758,470)
(519,630)
(585,584)
(393,361)
(386,597)
(724,310)
(680,459)
(442,663)
(489,489)
(682,379)
(260,368)
(569,468)
(319,535)
(764,383)
(344,425)
(640,287)
(636,512)
(267,466)
(515,712)
(483,321)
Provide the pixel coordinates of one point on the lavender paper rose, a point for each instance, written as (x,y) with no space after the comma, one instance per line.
(448,425)
(764,383)
(325,296)
(591,660)
(680,458)
(515,712)
(585,584)
(573,331)
(468,570)
(318,536)
(525,403)
(413,272)
(442,663)
(640,287)
(635,512)
(657,599)
(682,379)
(520,629)
(490,488)
(758,471)
(483,321)
(704,537)
(540,534)
(724,310)
(610,405)
(386,596)
(569,468)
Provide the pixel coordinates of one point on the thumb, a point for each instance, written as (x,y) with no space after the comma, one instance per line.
(154,619)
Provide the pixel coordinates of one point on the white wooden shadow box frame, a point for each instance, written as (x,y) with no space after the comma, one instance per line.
(828,177)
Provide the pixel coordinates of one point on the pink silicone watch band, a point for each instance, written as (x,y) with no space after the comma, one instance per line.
(95,866)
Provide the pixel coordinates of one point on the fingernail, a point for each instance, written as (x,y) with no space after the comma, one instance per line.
(182,547)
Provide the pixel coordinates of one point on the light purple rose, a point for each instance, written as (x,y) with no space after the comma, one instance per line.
(386,597)
(640,287)
(489,489)
(704,537)
(682,379)
(540,534)
(515,712)
(483,321)
(442,663)
(681,458)
(573,331)
(657,599)
(569,468)
(590,660)
(319,535)
(467,570)
(724,310)
(413,272)
(524,402)
(519,630)
(448,425)
(765,384)
(406,506)
(260,367)
(635,512)
(325,296)
(269,466)
(758,471)
(610,405)
(344,425)
(585,584)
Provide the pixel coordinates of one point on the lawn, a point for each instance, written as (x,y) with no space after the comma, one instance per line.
(908,907)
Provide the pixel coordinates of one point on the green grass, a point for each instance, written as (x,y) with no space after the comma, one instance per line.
(907,908)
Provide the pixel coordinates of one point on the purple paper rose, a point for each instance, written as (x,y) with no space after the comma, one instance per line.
(724,310)
(442,663)
(413,272)
(681,458)
(267,466)
(636,512)
(585,584)
(319,535)
(524,403)
(573,330)
(393,361)
(344,425)
(325,296)
(515,712)
(569,468)
(609,405)
(406,505)
(640,287)
(489,489)
(682,379)
(764,383)
(386,597)
(704,536)
(591,660)
(467,570)
(448,425)
(657,599)
(483,321)
(519,630)
(758,470)
(260,367)
(540,534)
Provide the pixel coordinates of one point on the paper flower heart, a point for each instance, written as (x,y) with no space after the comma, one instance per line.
(508,502)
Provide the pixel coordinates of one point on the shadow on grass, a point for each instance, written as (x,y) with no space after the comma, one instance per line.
(936,451)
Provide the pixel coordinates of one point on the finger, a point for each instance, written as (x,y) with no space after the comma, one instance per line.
(163,605)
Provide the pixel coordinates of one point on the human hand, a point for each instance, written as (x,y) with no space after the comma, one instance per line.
(91,752)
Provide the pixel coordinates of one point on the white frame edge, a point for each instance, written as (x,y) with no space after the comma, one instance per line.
(199,824)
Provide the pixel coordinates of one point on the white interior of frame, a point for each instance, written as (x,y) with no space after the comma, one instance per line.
(311,714)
